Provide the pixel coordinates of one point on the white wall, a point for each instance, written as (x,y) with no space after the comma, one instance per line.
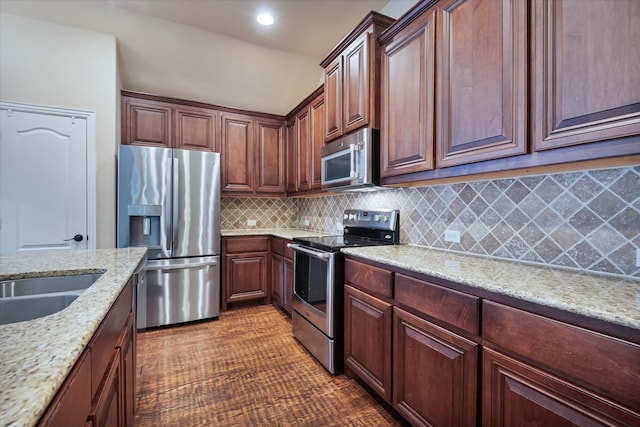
(52,65)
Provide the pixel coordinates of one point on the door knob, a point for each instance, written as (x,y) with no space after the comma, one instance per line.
(77,238)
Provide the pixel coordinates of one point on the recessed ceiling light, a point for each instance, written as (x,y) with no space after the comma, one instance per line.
(265,19)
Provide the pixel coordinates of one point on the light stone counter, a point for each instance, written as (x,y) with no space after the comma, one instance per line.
(609,298)
(285,233)
(37,355)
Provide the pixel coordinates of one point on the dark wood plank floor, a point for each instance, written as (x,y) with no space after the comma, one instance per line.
(245,369)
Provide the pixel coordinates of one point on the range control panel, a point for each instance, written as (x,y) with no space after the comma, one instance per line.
(382,219)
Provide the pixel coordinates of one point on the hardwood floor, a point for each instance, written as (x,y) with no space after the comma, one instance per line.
(245,369)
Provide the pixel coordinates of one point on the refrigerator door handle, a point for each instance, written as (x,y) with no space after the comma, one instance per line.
(176,201)
(180,266)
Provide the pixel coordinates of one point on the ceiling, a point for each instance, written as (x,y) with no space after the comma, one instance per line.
(214,51)
(303,27)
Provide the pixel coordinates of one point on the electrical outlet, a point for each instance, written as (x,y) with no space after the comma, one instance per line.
(638,257)
(305,222)
(339,227)
(452,236)
(251,222)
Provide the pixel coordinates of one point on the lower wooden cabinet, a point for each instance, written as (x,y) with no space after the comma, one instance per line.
(100,390)
(281,274)
(127,348)
(367,339)
(515,393)
(434,373)
(443,357)
(107,406)
(246,268)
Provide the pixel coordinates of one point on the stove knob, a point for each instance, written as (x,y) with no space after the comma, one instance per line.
(376,218)
(345,216)
(386,218)
(352,216)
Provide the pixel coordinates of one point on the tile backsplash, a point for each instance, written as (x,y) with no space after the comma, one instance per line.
(584,220)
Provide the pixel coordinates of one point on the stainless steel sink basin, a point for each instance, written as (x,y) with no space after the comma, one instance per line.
(46,285)
(28,299)
(31,307)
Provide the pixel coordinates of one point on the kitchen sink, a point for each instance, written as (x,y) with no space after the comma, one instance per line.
(31,298)
(46,285)
(31,307)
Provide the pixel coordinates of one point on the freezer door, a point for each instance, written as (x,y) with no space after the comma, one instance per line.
(179,290)
(144,199)
(196,203)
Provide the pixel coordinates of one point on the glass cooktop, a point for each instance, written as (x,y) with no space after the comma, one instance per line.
(335,243)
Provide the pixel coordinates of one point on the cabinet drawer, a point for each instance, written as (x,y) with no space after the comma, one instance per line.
(277,246)
(247,244)
(288,252)
(607,365)
(368,277)
(453,307)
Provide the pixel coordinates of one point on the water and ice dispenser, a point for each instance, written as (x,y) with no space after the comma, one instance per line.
(144,225)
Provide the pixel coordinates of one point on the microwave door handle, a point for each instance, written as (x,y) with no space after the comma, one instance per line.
(353,148)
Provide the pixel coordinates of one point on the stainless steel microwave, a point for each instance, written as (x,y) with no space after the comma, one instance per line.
(352,162)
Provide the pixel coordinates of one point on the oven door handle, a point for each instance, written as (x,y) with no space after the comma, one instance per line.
(313,254)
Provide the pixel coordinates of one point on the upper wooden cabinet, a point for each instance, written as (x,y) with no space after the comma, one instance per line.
(253,155)
(291,156)
(305,139)
(467,102)
(146,122)
(481,81)
(195,128)
(408,84)
(485,86)
(586,80)
(352,76)
(162,124)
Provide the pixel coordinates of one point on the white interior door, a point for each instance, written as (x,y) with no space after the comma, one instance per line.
(43,181)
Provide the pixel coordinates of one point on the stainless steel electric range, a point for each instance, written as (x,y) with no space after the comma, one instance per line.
(318,282)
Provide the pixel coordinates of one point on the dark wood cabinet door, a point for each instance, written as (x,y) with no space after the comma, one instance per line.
(317,140)
(277,280)
(482,81)
(367,339)
(147,123)
(72,403)
(196,129)
(303,141)
(435,373)
(292,156)
(237,146)
(128,367)
(333,100)
(355,91)
(270,158)
(407,76)
(586,78)
(106,410)
(287,286)
(246,277)
(516,394)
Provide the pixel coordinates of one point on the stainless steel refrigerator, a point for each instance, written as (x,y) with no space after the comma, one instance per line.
(169,202)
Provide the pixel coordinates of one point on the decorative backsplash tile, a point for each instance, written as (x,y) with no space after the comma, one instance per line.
(235,212)
(584,220)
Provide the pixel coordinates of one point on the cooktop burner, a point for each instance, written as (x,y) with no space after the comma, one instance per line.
(361,228)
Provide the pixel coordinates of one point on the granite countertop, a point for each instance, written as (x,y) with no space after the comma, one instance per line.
(37,355)
(285,233)
(613,299)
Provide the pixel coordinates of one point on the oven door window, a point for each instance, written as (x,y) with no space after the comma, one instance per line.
(311,281)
